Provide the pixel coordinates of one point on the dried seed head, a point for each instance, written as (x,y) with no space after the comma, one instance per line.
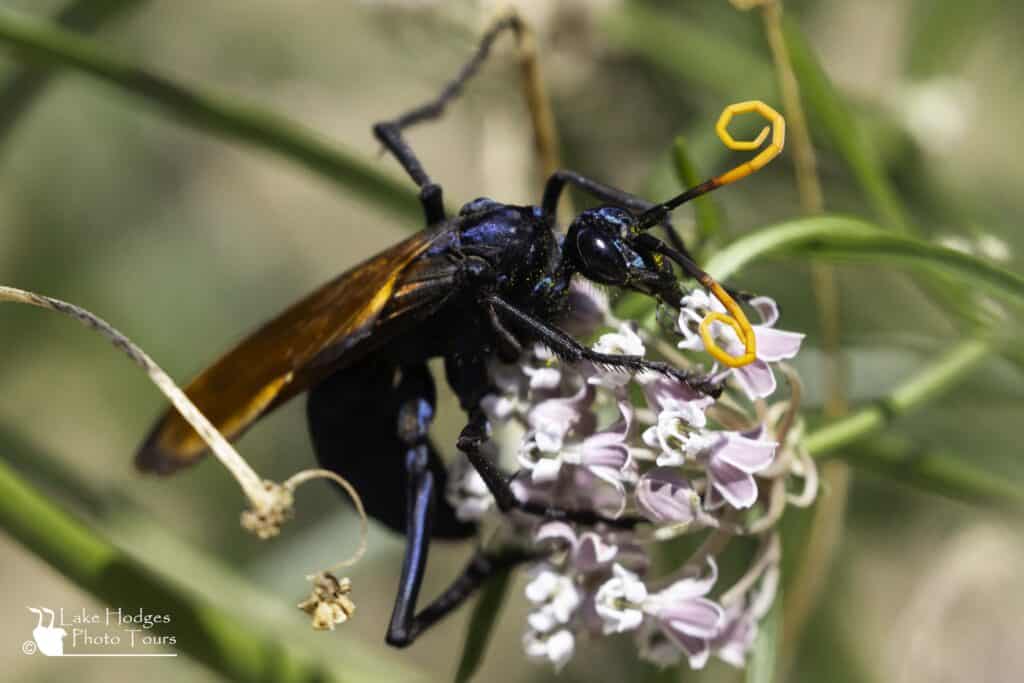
(266,520)
(328,602)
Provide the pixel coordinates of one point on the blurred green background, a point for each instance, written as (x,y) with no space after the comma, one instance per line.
(185,242)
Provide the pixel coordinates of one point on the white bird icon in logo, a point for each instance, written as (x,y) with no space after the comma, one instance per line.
(50,640)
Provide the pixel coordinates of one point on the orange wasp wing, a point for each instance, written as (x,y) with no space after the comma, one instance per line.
(334,326)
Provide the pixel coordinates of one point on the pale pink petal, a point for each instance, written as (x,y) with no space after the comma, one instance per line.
(749,455)
(737,487)
(697,617)
(593,553)
(756,379)
(604,450)
(546,470)
(767,309)
(736,637)
(664,496)
(557,532)
(689,588)
(660,391)
(696,649)
(774,345)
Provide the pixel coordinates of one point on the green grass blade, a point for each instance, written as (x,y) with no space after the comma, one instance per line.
(764,656)
(705,211)
(693,52)
(833,119)
(217,113)
(481,625)
(944,32)
(849,238)
(24,87)
(935,470)
(212,636)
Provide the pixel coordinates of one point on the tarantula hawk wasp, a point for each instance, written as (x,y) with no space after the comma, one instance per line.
(497,275)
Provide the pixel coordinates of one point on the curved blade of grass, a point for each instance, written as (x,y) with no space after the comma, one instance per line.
(214,112)
(693,52)
(944,32)
(481,625)
(214,637)
(763,658)
(200,577)
(705,210)
(23,88)
(849,238)
(833,119)
(935,470)
(932,381)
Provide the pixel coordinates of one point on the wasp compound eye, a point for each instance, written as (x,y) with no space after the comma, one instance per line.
(601,260)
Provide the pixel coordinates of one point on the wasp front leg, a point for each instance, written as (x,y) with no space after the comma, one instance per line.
(469,379)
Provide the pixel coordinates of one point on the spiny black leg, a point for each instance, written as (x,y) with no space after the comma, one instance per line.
(480,567)
(390,132)
(472,438)
(567,348)
(468,377)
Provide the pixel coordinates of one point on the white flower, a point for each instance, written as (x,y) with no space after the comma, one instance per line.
(556,647)
(772,345)
(556,599)
(679,433)
(466,490)
(624,342)
(619,601)
(543,378)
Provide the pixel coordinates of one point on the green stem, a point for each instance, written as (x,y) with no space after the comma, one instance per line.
(214,637)
(481,625)
(705,210)
(934,380)
(211,111)
(23,87)
(935,470)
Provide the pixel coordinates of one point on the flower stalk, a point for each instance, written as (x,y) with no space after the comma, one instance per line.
(270,503)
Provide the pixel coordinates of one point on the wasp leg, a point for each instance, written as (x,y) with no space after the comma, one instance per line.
(390,132)
(555,186)
(567,348)
(422,486)
(405,628)
(420,492)
(473,437)
(468,377)
(353,415)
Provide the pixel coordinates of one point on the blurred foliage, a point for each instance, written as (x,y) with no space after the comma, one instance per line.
(185,241)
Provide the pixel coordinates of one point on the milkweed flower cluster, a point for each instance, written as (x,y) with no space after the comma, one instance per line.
(648,448)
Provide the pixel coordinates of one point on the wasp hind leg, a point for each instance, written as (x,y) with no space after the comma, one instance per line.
(423,487)
(406,623)
(353,420)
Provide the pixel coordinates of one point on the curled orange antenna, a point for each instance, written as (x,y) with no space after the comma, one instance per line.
(777,128)
(735,319)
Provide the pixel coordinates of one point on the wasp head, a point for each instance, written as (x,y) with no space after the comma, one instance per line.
(606,245)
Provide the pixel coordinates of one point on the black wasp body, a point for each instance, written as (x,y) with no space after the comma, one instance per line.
(467,288)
